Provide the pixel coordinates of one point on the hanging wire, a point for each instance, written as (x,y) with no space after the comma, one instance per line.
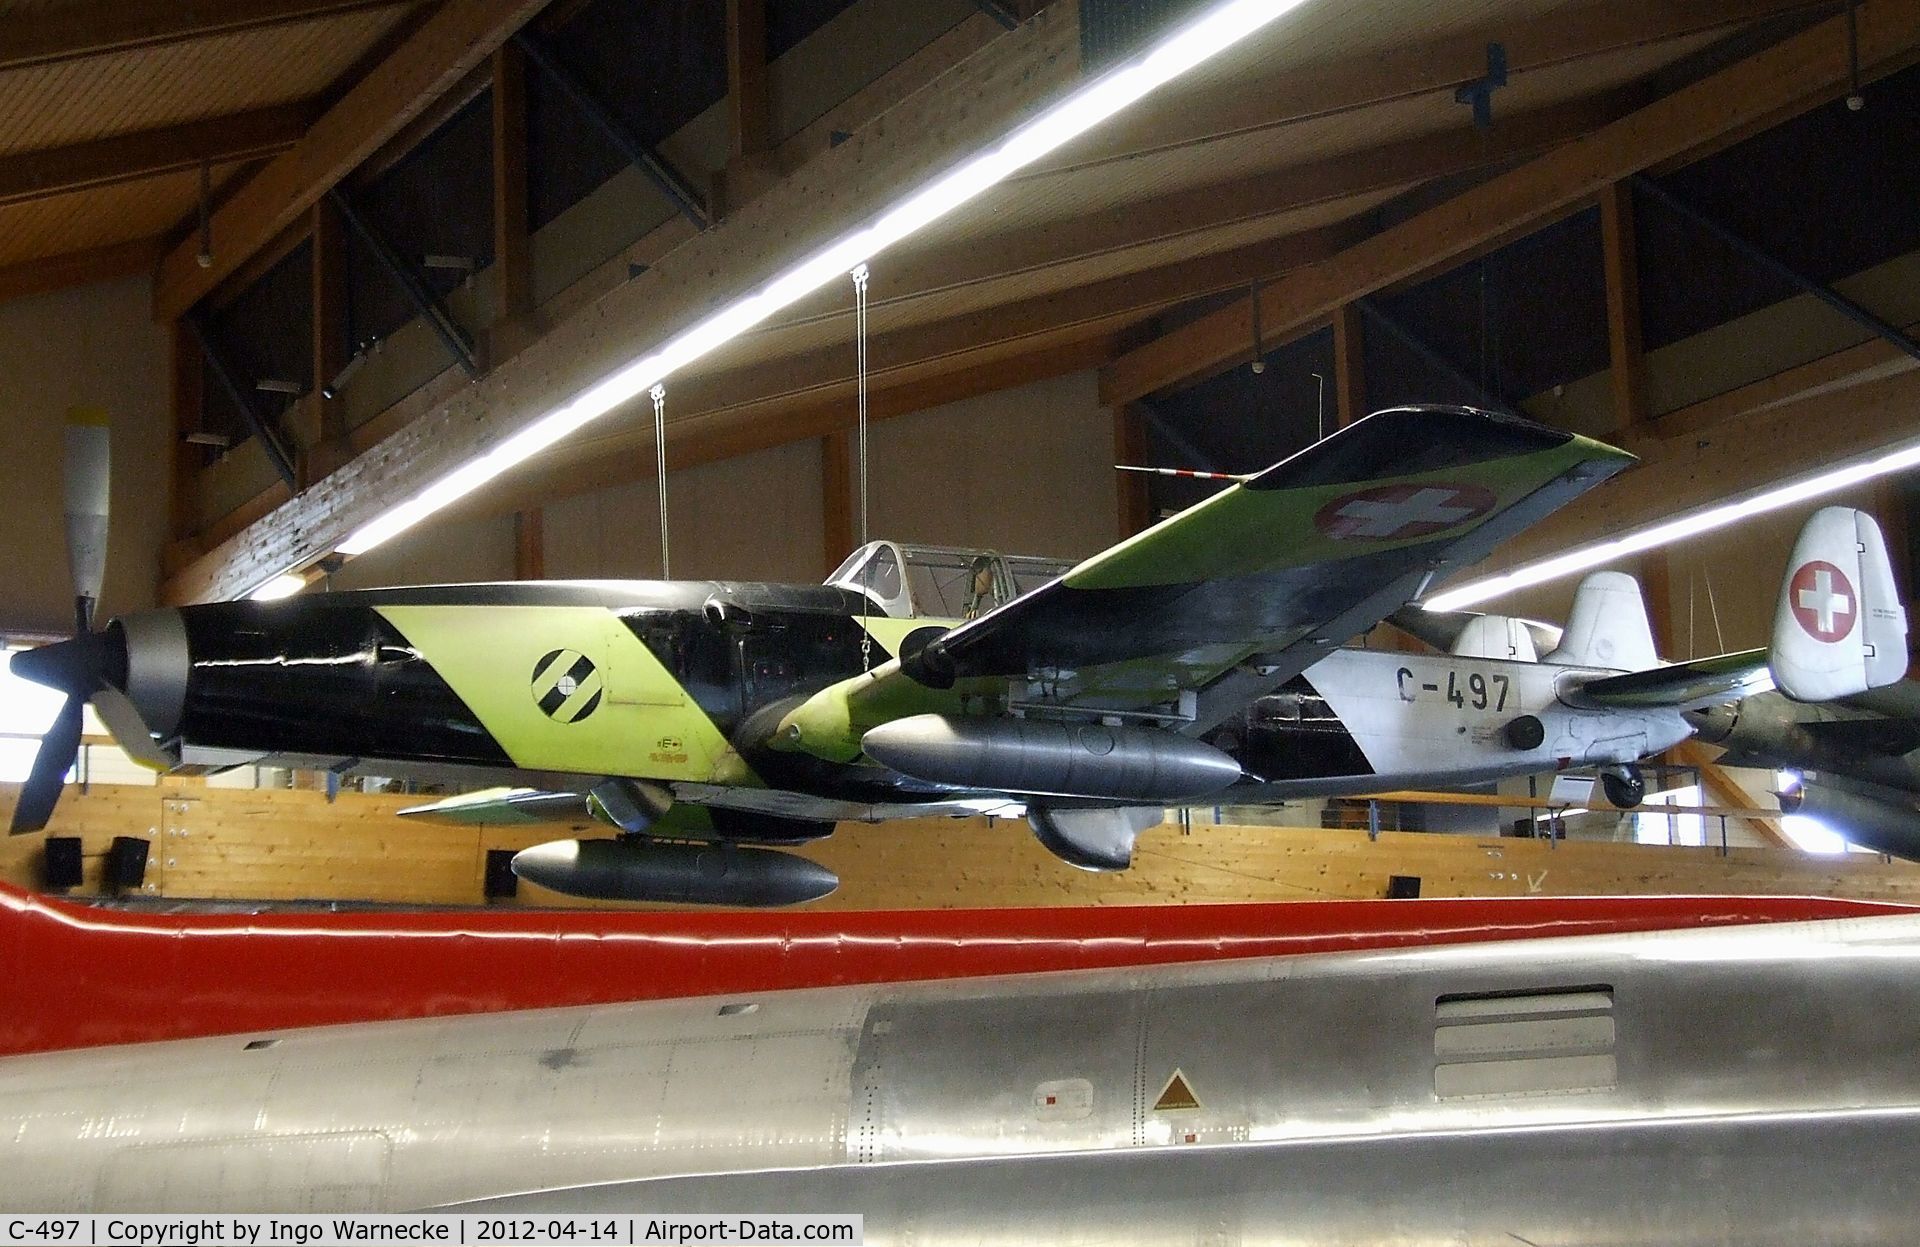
(860,276)
(1855,100)
(1719,637)
(860,383)
(660,459)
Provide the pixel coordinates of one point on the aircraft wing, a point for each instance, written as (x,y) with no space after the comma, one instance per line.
(1681,686)
(1227,600)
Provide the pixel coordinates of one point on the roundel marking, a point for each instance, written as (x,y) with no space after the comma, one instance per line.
(1402,512)
(1823,601)
(566,685)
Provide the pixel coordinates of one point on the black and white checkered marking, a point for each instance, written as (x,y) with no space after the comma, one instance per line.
(566,685)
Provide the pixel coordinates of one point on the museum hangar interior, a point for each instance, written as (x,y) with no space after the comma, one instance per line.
(913,467)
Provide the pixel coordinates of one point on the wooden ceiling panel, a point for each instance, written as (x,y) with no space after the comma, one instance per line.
(99,217)
(1111,183)
(153,87)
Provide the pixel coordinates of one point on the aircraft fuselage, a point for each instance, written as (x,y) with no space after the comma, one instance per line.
(680,683)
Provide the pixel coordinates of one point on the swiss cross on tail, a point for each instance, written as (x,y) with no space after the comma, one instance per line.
(1402,512)
(1839,628)
(1823,601)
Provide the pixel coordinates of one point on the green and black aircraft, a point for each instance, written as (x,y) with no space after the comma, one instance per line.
(704,721)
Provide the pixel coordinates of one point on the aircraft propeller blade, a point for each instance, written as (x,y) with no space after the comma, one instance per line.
(58,749)
(78,667)
(88,472)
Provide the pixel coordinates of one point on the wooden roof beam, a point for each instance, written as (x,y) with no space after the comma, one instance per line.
(793,398)
(148,153)
(445,48)
(1556,37)
(78,268)
(97,27)
(1345,175)
(1798,72)
(974,103)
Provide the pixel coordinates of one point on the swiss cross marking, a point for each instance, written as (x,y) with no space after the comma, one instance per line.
(1823,601)
(1402,512)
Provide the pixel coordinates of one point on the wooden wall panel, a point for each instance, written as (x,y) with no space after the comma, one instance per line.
(293,845)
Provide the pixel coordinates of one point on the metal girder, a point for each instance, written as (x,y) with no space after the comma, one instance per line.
(1430,357)
(228,379)
(998,12)
(649,162)
(418,293)
(1174,438)
(1778,267)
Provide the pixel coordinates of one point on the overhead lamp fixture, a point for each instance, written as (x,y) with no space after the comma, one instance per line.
(1667,532)
(284,585)
(1194,43)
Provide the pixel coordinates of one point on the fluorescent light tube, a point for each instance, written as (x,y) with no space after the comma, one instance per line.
(284,585)
(1194,43)
(1667,532)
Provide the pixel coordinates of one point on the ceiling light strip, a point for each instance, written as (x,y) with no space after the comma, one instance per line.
(1680,528)
(1193,44)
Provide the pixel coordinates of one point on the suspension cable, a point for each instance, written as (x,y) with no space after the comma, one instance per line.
(860,275)
(660,459)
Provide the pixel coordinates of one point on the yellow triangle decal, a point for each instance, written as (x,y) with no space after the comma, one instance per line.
(1176,1095)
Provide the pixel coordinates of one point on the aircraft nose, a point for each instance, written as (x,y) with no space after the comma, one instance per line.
(155,665)
(77,666)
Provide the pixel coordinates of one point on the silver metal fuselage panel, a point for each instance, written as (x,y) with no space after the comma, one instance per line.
(1744,1085)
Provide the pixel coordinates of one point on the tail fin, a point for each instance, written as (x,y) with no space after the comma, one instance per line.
(1839,628)
(1495,636)
(1608,626)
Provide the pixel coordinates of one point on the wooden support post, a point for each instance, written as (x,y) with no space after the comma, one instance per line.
(1130,447)
(1656,584)
(530,544)
(749,102)
(1349,365)
(512,248)
(836,498)
(187,397)
(749,107)
(1626,353)
(331,348)
(1890,508)
(1719,787)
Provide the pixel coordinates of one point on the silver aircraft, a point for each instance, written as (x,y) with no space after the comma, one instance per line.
(1744,1085)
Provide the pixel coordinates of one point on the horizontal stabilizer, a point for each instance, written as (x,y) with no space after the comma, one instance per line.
(1839,628)
(1682,686)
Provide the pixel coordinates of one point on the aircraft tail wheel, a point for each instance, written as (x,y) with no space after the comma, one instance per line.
(1625,786)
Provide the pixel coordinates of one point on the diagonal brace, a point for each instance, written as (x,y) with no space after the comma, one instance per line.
(425,302)
(998,12)
(649,162)
(228,378)
(1778,267)
(1430,357)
